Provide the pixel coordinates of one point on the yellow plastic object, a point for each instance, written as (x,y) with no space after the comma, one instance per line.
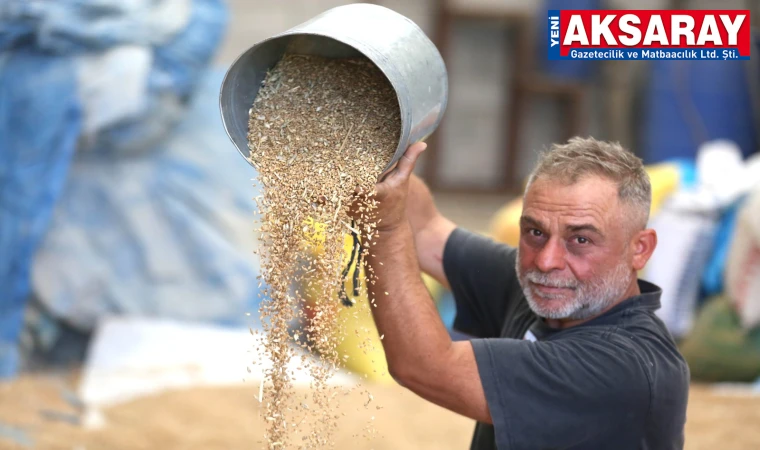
(665,179)
(505,225)
(361,350)
(314,233)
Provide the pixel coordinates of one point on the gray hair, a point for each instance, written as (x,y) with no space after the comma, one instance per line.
(581,157)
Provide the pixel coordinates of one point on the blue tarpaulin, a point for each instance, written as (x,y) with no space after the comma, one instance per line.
(97,76)
(168,234)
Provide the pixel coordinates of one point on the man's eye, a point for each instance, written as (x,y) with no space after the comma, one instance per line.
(535,232)
(581,240)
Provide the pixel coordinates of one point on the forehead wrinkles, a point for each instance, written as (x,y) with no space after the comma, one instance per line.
(589,199)
(570,212)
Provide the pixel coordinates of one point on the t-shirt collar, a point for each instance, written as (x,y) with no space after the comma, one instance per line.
(648,299)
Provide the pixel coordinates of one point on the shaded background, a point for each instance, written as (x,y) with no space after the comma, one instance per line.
(126,225)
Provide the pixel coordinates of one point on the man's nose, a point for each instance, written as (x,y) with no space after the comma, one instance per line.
(551,256)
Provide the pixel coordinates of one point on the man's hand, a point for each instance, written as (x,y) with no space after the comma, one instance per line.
(404,198)
(392,192)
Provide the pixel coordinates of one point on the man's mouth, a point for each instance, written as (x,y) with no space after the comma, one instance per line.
(551,290)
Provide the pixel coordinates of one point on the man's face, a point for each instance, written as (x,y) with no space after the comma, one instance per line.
(573,258)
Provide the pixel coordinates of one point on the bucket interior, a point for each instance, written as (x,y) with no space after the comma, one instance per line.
(243,80)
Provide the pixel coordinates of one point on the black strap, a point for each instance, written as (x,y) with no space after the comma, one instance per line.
(356,254)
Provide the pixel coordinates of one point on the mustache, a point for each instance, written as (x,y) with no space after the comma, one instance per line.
(547,280)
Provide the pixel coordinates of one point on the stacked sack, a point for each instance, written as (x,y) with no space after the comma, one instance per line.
(99,79)
(743,266)
(725,342)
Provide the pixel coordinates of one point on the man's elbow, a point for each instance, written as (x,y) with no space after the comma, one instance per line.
(430,388)
(407,376)
(399,374)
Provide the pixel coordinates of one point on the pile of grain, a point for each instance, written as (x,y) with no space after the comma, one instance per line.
(319,130)
(225,418)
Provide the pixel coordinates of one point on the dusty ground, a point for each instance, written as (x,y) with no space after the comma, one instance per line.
(227,418)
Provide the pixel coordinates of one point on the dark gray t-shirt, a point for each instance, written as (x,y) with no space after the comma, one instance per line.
(616,381)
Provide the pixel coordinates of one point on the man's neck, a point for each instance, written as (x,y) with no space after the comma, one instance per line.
(633,290)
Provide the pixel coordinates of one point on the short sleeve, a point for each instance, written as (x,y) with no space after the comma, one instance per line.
(481,274)
(576,392)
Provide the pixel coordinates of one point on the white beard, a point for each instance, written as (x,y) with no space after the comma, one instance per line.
(588,299)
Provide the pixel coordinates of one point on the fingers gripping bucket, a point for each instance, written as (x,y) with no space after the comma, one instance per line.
(395,44)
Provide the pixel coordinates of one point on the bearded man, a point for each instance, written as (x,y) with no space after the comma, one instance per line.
(565,349)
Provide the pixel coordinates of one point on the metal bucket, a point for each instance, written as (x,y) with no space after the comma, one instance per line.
(395,44)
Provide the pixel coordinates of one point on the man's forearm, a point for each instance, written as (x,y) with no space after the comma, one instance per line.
(414,335)
(420,207)
(429,228)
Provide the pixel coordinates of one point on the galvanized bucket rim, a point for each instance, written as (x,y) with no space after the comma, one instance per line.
(377,58)
(404,114)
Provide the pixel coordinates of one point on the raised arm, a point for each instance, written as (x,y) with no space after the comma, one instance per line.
(429,228)
(420,354)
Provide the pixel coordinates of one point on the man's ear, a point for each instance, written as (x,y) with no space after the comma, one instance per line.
(643,244)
